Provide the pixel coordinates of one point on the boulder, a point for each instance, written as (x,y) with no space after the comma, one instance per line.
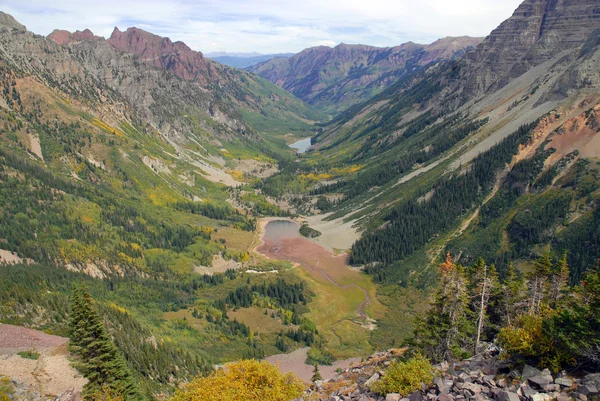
(392,397)
(563,397)
(508,396)
(540,381)
(441,386)
(372,380)
(502,383)
(472,387)
(563,381)
(464,378)
(541,397)
(529,371)
(416,396)
(526,391)
(588,389)
(446,397)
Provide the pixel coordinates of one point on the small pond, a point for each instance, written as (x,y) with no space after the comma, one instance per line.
(280,229)
(302,145)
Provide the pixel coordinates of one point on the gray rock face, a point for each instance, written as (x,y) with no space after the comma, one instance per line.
(537,31)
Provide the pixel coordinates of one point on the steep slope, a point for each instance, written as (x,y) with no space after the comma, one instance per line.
(337,78)
(267,107)
(432,148)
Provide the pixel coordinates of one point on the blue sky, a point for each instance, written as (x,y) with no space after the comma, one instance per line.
(269,26)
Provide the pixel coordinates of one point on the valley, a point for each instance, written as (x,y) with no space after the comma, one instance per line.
(309,210)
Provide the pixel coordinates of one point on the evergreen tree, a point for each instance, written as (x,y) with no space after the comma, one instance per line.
(316,374)
(98,359)
(538,280)
(445,330)
(511,295)
(559,281)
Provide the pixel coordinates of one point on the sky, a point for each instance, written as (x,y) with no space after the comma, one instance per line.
(269,26)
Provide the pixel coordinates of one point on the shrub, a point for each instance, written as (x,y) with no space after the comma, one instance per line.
(405,377)
(32,354)
(528,342)
(320,356)
(248,380)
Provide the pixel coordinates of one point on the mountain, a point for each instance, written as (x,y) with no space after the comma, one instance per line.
(337,78)
(239,92)
(462,155)
(245,60)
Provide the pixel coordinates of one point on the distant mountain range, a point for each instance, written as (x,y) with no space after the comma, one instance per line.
(334,79)
(244,60)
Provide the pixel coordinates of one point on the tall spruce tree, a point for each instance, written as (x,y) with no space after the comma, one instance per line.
(445,331)
(98,359)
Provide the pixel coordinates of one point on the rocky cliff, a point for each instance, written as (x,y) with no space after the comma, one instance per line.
(175,57)
(339,77)
(538,31)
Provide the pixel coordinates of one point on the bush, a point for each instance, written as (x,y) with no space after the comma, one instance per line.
(248,380)
(32,354)
(528,342)
(320,356)
(309,232)
(405,377)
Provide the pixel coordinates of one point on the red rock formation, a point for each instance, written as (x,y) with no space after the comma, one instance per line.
(175,57)
(62,37)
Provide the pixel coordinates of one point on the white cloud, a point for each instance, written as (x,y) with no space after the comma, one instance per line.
(267,25)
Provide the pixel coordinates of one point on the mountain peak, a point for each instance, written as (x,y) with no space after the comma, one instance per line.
(63,37)
(7,22)
(161,52)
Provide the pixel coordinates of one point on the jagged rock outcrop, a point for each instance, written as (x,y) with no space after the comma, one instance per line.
(338,77)
(62,37)
(175,57)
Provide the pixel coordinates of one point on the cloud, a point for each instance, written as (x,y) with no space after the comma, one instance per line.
(270,26)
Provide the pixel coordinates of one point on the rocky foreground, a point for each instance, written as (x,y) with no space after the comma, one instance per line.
(483,377)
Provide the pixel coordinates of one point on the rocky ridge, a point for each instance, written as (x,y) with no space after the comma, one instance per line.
(484,377)
(339,77)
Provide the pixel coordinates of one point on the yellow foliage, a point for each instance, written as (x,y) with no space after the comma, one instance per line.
(405,377)
(237,175)
(87,219)
(249,380)
(118,308)
(107,127)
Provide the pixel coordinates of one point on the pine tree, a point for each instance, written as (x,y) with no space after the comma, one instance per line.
(98,359)
(316,374)
(538,279)
(445,330)
(511,294)
(559,281)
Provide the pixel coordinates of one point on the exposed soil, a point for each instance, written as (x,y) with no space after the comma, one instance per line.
(294,362)
(50,374)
